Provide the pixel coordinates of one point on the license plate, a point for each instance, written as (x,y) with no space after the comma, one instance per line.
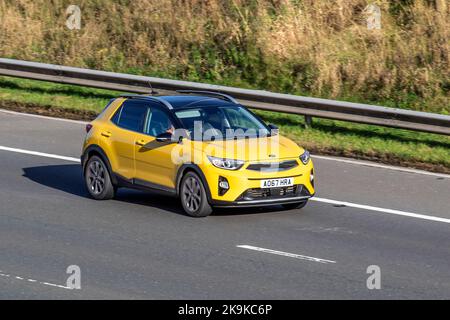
(277,183)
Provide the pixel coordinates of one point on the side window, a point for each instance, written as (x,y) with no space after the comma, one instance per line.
(116,117)
(131,116)
(158,122)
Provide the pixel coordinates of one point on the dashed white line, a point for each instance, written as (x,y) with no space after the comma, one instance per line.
(5,275)
(55,285)
(329,201)
(286,254)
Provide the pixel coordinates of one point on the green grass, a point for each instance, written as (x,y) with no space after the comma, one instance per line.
(387,145)
(55,95)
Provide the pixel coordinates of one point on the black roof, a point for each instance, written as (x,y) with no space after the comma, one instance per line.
(190,101)
(198,99)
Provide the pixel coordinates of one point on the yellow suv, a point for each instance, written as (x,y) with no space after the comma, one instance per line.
(202,147)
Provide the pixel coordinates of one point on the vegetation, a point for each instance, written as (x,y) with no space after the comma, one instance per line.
(306,47)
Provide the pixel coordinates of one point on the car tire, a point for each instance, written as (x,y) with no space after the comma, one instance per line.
(193,196)
(296,205)
(97,179)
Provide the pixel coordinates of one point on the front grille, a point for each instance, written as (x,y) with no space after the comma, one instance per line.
(273,166)
(274,193)
(259,193)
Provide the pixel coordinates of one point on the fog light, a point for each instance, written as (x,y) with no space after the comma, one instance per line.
(223,186)
(311,177)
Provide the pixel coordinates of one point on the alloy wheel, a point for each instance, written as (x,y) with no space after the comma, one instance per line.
(192,194)
(95,177)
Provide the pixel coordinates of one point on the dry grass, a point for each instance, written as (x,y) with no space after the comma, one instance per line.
(319,48)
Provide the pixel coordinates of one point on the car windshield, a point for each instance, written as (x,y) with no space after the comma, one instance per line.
(221,123)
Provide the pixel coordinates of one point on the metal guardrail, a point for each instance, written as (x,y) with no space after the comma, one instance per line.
(258,99)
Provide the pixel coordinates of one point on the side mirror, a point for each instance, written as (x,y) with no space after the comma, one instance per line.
(273,128)
(164,137)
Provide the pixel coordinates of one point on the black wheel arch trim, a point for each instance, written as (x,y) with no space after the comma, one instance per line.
(102,153)
(199,172)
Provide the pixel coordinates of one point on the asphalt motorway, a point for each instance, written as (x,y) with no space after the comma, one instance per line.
(142,246)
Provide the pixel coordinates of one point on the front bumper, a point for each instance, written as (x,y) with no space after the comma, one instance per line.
(259,203)
(267,197)
(245,187)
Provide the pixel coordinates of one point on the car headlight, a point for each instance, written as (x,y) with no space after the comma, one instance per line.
(305,157)
(227,164)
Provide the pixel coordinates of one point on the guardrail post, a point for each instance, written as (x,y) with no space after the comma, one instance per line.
(308,122)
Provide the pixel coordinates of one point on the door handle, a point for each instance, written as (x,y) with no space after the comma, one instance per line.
(106,134)
(140,143)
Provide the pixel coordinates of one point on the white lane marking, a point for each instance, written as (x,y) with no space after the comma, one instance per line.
(344,160)
(40,154)
(286,254)
(5,275)
(383,166)
(55,285)
(329,201)
(42,117)
(384,210)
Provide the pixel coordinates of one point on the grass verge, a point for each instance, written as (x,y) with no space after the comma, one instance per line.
(391,146)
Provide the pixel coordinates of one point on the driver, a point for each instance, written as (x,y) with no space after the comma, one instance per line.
(170,127)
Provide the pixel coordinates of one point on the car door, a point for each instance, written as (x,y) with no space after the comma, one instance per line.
(153,159)
(120,136)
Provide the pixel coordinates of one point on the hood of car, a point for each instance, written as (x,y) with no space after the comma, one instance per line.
(252,149)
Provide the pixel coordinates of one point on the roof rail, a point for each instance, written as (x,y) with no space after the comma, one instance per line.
(145,97)
(211,93)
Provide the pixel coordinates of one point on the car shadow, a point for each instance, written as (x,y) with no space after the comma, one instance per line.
(69,178)
(246,211)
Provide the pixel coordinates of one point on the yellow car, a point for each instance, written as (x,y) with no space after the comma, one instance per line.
(202,147)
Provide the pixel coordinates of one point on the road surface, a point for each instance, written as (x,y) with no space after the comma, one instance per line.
(142,246)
